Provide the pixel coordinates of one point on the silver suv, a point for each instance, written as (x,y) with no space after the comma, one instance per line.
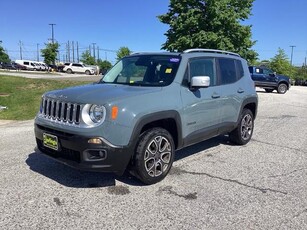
(78,68)
(146,107)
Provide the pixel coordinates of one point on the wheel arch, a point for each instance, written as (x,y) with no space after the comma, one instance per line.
(169,120)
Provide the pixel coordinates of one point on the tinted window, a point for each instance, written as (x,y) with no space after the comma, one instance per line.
(258,70)
(203,67)
(240,71)
(228,73)
(26,63)
(77,65)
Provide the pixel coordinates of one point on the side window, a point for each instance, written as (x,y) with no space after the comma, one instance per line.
(26,63)
(77,65)
(268,71)
(259,71)
(228,73)
(240,71)
(203,67)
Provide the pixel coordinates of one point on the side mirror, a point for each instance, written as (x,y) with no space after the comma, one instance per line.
(200,82)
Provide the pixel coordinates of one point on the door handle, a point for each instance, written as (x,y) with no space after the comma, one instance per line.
(215,95)
(240,90)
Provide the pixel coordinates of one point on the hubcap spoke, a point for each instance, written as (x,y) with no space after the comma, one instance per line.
(246,127)
(157,156)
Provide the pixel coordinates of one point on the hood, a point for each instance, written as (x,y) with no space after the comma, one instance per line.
(286,78)
(99,93)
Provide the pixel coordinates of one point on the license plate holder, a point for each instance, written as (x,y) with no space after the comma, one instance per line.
(50,141)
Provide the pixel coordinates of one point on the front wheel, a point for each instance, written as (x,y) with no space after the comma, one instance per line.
(154,155)
(87,72)
(244,131)
(282,88)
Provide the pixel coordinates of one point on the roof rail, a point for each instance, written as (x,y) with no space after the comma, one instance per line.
(211,51)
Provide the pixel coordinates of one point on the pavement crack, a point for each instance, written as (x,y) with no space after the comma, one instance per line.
(281,146)
(263,190)
(279,175)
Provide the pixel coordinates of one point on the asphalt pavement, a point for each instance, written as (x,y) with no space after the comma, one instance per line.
(213,185)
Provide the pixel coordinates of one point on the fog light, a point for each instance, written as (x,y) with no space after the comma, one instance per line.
(94,155)
(95,141)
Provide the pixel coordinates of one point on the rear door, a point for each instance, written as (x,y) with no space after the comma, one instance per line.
(230,75)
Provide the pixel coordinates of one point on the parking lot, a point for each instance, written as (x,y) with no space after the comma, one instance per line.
(213,185)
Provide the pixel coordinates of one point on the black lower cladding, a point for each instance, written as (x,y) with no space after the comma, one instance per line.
(73,150)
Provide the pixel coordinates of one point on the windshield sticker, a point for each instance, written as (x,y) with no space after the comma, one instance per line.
(174,60)
(168,70)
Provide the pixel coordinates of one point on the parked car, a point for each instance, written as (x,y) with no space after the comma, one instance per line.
(8,66)
(30,65)
(144,108)
(78,68)
(268,80)
(18,66)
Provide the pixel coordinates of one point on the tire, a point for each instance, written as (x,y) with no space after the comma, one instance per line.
(154,155)
(282,88)
(87,72)
(69,71)
(269,90)
(244,131)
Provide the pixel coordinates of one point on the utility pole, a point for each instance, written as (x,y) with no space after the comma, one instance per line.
(68,51)
(20,50)
(37,51)
(98,53)
(73,51)
(94,50)
(292,53)
(78,52)
(52,32)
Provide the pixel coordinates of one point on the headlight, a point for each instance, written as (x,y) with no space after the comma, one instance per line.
(93,115)
(97,113)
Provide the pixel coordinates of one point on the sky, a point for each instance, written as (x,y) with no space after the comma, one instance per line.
(109,25)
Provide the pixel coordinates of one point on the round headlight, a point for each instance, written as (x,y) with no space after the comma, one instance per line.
(97,113)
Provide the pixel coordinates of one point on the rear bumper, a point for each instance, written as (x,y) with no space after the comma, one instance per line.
(75,151)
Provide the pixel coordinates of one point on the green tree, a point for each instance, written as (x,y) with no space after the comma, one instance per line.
(122,52)
(50,53)
(87,58)
(3,56)
(280,63)
(104,65)
(212,24)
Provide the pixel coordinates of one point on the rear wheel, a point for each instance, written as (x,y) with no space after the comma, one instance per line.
(282,88)
(69,71)
(244,131)
(154,155)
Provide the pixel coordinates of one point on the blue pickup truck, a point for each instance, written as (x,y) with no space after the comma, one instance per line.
(268,80)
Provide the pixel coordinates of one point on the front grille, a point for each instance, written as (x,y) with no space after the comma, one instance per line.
(61,111)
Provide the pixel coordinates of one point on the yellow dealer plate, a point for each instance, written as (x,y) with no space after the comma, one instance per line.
(50,141)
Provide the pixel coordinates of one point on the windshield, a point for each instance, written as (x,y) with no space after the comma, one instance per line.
(144,70)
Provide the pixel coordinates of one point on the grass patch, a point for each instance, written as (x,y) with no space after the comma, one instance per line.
(22,96)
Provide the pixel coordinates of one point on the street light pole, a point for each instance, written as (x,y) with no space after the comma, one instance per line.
(52,32)
(292,53)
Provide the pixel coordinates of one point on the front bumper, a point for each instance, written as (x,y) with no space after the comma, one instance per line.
(75,151)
